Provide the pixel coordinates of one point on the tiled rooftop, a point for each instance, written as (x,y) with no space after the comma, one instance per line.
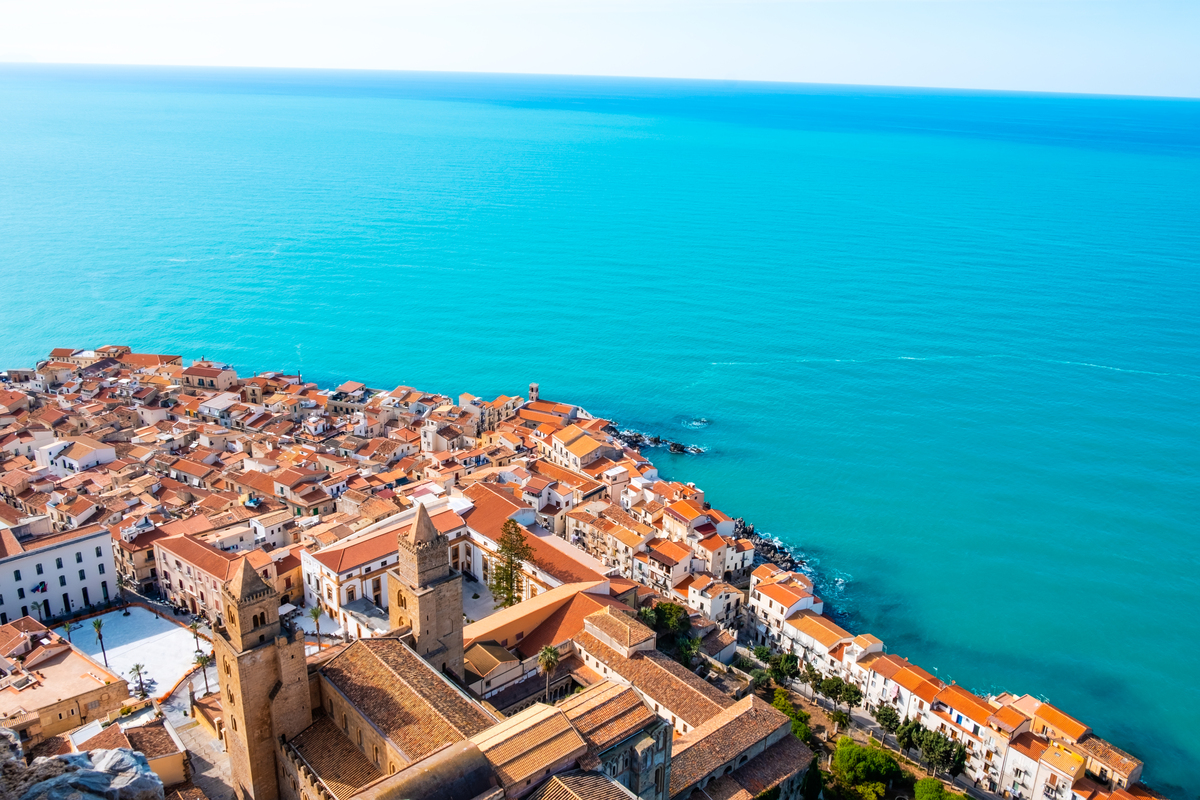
(333,757)
(414,706)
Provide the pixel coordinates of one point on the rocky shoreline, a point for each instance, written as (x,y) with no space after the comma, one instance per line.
(639,441)
(767,549)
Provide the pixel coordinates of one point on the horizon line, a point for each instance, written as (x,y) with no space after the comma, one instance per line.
(379,70)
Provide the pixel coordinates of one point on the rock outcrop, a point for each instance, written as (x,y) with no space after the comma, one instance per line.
(98,775)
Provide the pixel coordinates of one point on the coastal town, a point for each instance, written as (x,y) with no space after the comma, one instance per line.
(393,593)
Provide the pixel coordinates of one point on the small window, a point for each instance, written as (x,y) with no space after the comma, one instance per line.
(20,594)
(58,563)
(62,580)
(78,558)
(39,569)
(101,569)
(82,575)
(98,552)
(17,574)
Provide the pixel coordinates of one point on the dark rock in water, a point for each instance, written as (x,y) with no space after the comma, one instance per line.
(676,447)
(655,441)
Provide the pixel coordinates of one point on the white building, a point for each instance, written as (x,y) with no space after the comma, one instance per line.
(74,454)
(55,575)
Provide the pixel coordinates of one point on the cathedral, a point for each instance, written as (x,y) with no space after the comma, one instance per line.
(388,718)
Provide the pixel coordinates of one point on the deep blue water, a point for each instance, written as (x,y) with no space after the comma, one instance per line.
(947,342)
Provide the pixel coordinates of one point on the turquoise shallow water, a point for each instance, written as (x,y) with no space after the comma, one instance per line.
(946,342)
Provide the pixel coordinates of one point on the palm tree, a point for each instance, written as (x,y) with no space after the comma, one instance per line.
(194,627)
(314,614)
(202,661)
(548,660)
(68,627)
(136,671)
(98,624)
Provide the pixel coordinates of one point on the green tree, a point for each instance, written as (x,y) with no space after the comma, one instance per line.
(908,735)
(832,688)
(672,620)
(762,653)
(648,617)
(202,661)
(799,717)
(314,614)
(194,627)
(98,625)
(810,787)
(548,660)
(810,676)
(136,671)
(958,760)
(852,696)
(513,550)
(689,647)
(783,701)
(784,668)
(937,750)
(759,678)
(868,769)
(929,789)
(888,718)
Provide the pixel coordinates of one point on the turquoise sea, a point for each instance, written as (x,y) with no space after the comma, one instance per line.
(945,343)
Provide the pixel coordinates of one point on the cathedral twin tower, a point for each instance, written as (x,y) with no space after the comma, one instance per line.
(263,673)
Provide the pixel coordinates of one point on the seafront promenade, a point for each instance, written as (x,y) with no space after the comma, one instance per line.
(189,474)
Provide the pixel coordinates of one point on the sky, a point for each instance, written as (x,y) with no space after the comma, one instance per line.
(1147,47)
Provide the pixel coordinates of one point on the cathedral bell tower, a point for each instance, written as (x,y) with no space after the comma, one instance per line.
(263,682)
(425,594)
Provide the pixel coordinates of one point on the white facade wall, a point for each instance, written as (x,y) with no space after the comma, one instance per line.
(66,591)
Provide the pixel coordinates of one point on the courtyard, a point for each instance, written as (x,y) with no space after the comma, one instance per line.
(166,651)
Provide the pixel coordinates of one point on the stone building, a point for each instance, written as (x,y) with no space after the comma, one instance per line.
(264,683)
(427,595)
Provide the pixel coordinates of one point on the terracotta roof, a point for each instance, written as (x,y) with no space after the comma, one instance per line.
(333,757)
(1114,758)
(1029,745)
(662,680)
(965,703)
(579,785)
(721,739)
(529,744)
(417,709)
(1070,726)
(152,739)
(622,628)
(207,559)
(110,738)
(606,714)
(821,629)
(348,555)
(1007,719)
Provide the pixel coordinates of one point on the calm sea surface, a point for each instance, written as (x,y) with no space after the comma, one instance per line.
(945,343)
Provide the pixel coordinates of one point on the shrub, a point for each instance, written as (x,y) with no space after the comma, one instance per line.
(929,789)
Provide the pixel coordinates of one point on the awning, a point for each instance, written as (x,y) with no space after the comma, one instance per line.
(286,609)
